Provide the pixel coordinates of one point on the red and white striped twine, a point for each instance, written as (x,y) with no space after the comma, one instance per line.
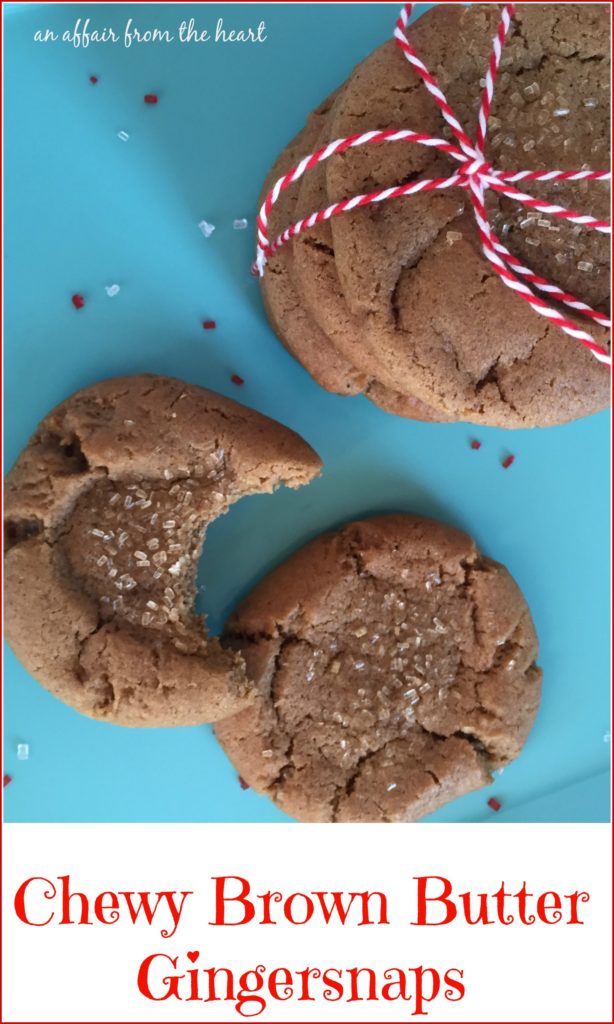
(475,174)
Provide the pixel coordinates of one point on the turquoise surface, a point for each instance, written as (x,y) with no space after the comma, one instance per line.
(85,210)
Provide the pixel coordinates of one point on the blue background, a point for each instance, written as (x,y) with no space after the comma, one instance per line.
(85,210)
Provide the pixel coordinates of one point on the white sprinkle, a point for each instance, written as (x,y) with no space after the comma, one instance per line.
(529,145)
(143,564)
(123,136)
(111,290)
(584,266)
(169,524)
(128,423)
(152,605)
(23,751)
(267,753)
(168,474)
(98,533)
(590,103)
(102,560)
(206,228)
(239,224)
(391,786)
(561,112)
(140,555)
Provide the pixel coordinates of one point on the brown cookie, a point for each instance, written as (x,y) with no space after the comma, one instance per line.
(293,324)
(441,323)
(396,669)
(290,321)
(314,272)
(105,516)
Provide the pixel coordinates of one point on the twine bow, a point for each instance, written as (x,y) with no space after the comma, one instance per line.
(475,174)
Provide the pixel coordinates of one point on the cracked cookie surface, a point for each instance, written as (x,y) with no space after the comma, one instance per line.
(395,667)
(105,516)
(295,324)
(428,305)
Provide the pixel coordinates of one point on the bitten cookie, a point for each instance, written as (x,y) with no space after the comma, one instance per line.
(429,306)
(106,511)
(395,667)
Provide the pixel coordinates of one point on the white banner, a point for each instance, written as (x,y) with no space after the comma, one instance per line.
(334,923)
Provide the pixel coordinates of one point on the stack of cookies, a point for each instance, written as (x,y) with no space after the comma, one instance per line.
(396,300)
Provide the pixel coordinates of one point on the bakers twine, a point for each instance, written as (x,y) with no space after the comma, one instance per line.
(475,175)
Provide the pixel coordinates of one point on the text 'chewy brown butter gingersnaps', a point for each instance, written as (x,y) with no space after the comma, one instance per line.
(105,516)
(395,667)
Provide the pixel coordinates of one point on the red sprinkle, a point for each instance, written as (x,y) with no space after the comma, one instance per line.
(7,779)
(494,804)
(93,79)
(243,784)
(254,270)
(78,301)
(476,445)
(150,97)
(236,379)
(507,462)
(209,325)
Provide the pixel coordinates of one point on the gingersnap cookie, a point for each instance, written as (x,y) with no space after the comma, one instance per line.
(316,280)
(292,323)
(106,511)
(442,324)
(395,667)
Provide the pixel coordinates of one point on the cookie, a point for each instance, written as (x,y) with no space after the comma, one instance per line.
(395,667)
(106,511)
(292,323)
(316,280)
(442,324)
